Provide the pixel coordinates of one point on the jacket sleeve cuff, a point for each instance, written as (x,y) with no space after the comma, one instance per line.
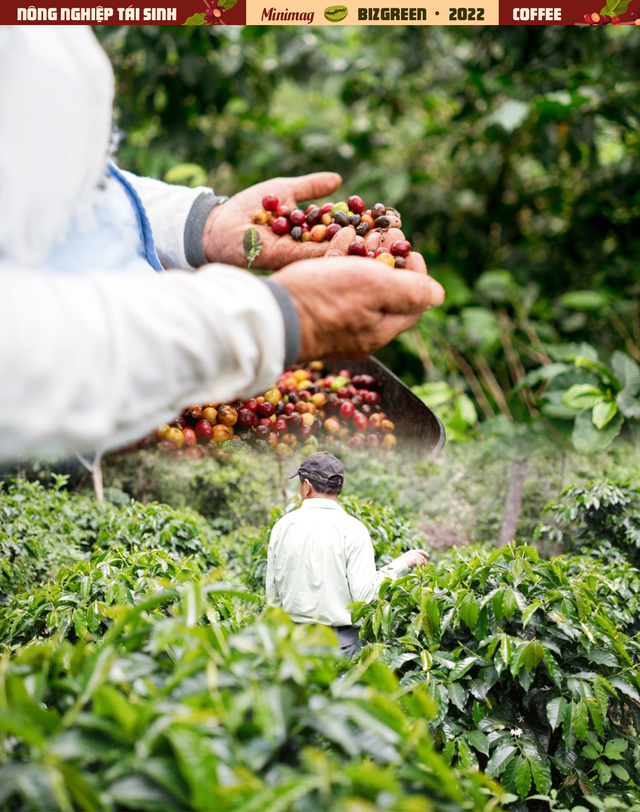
(194,228)
(399,567)
(292,333)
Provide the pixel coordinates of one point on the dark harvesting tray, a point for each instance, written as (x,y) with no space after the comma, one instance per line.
(412,418)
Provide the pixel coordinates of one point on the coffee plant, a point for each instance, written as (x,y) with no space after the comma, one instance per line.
(145,674)
(82,596)
(189,712)
(599,398)
(531,679)
(599,517)
(40,529)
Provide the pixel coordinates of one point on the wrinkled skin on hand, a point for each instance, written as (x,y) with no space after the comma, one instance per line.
(349,307)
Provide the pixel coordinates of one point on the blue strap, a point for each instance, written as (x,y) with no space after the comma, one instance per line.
(147,246)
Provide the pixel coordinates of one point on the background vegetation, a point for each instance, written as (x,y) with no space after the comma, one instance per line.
(512,154)
(138,666)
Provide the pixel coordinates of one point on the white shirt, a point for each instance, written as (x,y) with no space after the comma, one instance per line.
(90,356)
(320,560)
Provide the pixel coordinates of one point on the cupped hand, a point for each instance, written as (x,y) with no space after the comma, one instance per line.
(349,307)
(227,223)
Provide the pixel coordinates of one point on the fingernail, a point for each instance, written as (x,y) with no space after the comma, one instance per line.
(334,254)
(437,293)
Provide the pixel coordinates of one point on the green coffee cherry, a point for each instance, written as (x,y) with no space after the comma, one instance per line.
(338,383)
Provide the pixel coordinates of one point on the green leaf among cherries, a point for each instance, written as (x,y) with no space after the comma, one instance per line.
(195,19)
(252,245)
(615,8)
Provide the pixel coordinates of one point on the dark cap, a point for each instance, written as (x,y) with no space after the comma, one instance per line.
(323,468)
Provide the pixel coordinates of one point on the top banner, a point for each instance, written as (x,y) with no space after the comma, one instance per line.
(315,12)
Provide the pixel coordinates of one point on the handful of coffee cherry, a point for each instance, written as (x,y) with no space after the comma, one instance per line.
(320,223)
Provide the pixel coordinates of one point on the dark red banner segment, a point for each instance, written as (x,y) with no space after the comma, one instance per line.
(138,12)
(558,12)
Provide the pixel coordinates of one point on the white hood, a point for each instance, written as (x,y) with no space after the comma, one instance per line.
(56,92)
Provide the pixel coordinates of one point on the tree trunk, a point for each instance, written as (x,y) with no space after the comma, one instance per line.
(513,502)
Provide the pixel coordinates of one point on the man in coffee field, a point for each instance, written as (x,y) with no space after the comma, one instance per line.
(97,344)
(320,559)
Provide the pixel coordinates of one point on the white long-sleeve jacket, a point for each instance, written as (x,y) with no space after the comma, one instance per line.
(100,358)
(320,560)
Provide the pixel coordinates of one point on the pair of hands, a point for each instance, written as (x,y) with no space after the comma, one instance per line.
(348,307)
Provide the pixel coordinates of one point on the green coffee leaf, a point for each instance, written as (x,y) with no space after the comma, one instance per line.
(533,655)
(626,371)
(552,667)
(544,373)
(466,756)
(522,778)
(477,739)
(252,245)
(80,622)
(541,772)
(582,396)
(596,717)
(603,413)
(462,667)
(580,719)
(626,689)
(499,760)
(457,695)
(585,299)
(619,771)
(505,649)
(195,19)
(227,4)
(433,611)
(604,771)
(469,610)
(509,603)
(588,440)
(615,8)
(614,749)
(529,612)
(449,751)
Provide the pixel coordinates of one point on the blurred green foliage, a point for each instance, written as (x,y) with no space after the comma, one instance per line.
(512,154)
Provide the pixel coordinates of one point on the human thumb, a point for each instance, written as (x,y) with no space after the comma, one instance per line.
(339,245)
(316,185)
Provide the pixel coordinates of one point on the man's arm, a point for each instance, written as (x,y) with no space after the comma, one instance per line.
(178,215)
(96,357)
(364,579)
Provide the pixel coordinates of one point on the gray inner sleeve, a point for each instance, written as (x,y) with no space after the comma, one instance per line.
(194,227)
